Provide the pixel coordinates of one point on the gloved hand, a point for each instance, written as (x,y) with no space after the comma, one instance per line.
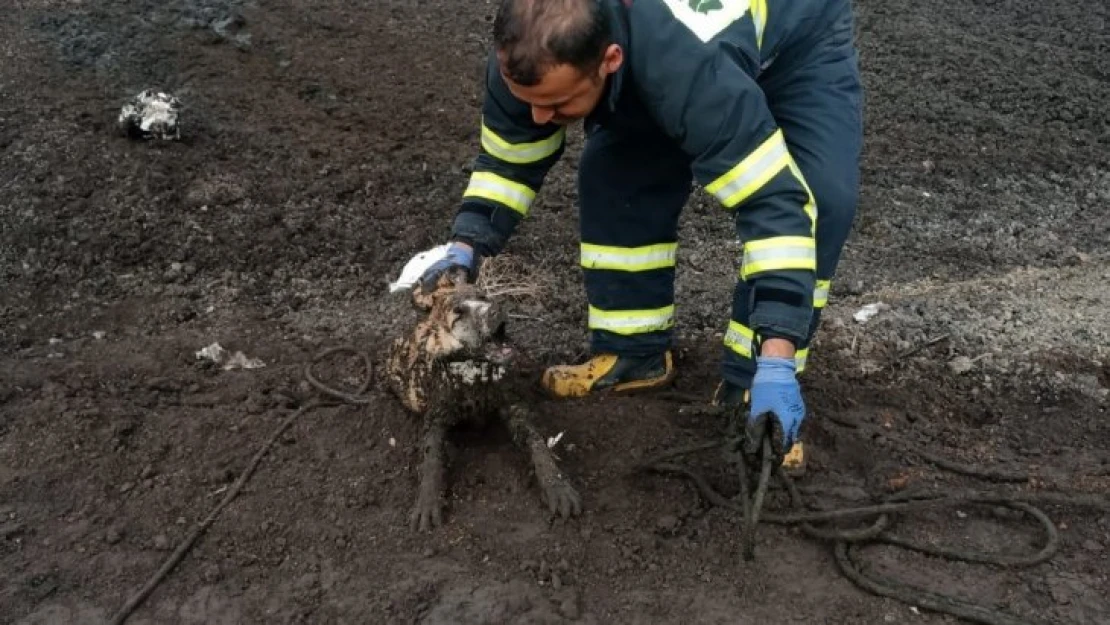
(776,404)
(458,255)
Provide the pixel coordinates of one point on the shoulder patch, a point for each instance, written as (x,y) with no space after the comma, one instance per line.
(707,18)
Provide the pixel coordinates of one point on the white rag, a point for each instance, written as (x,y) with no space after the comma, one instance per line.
(416,267)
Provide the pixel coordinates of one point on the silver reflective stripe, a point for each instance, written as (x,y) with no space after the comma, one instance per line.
(821,293)
(631,321)
(521,152)
(792,252)
(755,171)
(493,187)
(759,20)
(800,359)
(628,259)
(739,341)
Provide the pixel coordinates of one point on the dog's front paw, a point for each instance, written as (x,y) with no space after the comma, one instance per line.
(427,513)
(561,498)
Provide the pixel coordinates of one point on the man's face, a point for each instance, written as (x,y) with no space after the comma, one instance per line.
(565,94)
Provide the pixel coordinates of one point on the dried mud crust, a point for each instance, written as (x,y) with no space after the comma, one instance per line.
(322,147)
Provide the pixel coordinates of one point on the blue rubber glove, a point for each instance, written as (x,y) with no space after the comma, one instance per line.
(457,256)
(776,403)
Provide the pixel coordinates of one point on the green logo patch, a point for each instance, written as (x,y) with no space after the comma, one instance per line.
(705,6)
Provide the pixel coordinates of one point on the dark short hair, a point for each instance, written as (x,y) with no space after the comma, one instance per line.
(536,35)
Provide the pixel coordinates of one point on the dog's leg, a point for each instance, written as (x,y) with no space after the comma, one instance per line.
(428,511)
(557,492)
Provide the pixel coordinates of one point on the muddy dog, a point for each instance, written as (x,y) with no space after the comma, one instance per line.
(448,370)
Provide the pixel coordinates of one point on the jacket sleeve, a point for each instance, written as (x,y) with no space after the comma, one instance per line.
(702,95)
(514,157)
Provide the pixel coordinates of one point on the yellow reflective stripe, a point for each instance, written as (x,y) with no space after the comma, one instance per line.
(739,339)
(521,152)
(821,293)
(644,258)
(631,321)
(759,20)
(740,182)
(778,253)
(811,203)
(490,186)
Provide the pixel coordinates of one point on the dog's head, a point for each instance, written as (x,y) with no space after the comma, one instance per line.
(462,323)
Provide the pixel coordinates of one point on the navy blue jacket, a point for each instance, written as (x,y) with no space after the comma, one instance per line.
(691,69)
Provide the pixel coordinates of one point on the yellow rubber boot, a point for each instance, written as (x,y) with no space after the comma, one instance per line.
(794,464)
(609,372)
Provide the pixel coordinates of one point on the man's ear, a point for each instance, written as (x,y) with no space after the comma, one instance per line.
(612,60)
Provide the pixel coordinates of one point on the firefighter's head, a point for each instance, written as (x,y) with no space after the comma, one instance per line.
(556,55)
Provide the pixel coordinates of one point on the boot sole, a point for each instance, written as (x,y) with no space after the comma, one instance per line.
(642,386)
(634,387)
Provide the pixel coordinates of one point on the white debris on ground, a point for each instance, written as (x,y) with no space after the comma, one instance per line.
(214,352)
(151,115)
(961,365)
(416,267)
(552,441)
(865,314)
(217,354)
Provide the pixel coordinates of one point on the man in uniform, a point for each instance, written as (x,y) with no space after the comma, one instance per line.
(757,101)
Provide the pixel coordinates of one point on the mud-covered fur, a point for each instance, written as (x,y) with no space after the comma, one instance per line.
(449,369)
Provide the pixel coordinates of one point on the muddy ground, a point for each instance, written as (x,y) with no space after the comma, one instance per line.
(323,146)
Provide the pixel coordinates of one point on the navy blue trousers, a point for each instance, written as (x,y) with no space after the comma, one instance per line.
(633,185)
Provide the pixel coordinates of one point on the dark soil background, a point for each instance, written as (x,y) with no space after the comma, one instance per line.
(326,142)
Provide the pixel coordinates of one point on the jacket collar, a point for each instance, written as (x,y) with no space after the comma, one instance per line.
(618,18)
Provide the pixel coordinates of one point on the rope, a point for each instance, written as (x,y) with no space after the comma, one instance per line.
(358,397)
(753,507)
(848,542)
(187,544)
